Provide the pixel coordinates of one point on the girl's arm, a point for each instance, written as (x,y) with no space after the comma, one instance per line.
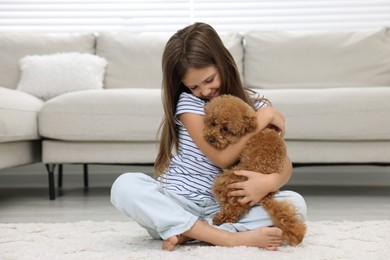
(259,185)
(270,116)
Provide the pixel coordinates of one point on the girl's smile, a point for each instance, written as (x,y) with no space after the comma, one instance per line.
(203,82)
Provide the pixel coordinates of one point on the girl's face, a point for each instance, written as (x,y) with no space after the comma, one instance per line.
(204,83)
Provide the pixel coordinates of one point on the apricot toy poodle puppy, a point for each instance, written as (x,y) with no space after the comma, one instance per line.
(227,119)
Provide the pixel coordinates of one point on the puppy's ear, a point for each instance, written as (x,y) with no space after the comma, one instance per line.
(250,122)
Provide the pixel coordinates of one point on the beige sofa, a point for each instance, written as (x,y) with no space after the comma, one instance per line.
(332,87)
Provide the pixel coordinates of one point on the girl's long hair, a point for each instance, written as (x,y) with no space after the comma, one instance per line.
(195,46)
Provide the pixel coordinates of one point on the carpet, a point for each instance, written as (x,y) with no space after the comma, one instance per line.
(126,240)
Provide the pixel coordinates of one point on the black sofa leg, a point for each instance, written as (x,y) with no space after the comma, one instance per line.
(50,170)
(60,178)
(86,182)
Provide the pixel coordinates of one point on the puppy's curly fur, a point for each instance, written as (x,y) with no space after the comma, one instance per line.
(227,119)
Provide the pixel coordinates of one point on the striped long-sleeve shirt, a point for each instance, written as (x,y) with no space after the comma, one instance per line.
(191,173)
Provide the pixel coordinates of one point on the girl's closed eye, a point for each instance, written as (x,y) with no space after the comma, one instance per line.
(210,80)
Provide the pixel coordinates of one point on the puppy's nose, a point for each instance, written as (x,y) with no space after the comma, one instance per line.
(211,139)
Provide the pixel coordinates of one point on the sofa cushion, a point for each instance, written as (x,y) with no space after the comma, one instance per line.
(18,115)
(20,153)
(15,45)
(134,60)
(55,151)
(317,60)
(103,115)
(344,114)
(47,76)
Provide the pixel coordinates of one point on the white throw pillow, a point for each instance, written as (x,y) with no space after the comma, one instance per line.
(47,76)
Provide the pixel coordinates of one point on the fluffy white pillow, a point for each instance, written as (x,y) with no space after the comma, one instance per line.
(47,76)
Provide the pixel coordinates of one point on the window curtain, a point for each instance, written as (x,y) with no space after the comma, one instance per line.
(153,16)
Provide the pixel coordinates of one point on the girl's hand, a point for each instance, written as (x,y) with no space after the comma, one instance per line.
(270,116)
(252,190)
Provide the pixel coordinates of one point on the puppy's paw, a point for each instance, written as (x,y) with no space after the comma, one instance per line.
(219,219)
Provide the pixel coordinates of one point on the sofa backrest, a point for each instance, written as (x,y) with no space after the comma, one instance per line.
(317,60)
(16,45)
(270,60)
(134,60)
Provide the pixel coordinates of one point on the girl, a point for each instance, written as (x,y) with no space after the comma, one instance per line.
(179,205)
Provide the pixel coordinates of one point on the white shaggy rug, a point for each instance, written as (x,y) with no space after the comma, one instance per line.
(126,240)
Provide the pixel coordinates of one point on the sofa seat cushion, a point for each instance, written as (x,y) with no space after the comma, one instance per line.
(335,113)
(103,115)
(18,115)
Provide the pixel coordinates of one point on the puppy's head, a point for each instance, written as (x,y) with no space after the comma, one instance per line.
(227,118)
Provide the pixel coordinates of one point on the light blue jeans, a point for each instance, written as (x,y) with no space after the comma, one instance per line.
(164,214)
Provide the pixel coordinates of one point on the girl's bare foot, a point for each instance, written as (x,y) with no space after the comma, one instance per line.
(171,243)
(269,238)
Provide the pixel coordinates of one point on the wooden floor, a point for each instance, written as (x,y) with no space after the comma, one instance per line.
(325,200)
